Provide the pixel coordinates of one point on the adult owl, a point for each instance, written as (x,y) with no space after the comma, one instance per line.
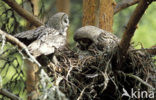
(58,22)
(46,39)
(88,36)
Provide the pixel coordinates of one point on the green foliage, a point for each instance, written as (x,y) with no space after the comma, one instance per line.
(12,71)
(145,33)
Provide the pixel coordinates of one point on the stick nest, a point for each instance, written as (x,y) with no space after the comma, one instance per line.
(95,75)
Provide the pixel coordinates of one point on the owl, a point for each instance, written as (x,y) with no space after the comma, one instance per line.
(91,36)
(51,38)
(46,39)
(59,22)
(47,43)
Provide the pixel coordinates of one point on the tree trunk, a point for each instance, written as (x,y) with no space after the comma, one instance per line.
(63,6)
(31,80)
(98,13)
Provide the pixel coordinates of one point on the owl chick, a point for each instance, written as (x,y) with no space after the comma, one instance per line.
(59,22)
(88,36)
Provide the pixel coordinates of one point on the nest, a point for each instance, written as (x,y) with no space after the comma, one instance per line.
(95,75)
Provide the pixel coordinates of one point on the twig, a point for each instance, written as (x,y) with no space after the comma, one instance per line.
(132,24)
(144,49)
(151,50)
(124,4)
(9,94)
(140,80)
(82,92)
(22,12)
(70,69)
(3,44)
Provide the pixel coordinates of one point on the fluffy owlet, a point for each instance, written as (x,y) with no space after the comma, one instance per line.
(91,35)
(47,38)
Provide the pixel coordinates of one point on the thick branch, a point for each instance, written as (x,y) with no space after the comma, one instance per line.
(27,15)
(9,94)
(131,26)
(124,4)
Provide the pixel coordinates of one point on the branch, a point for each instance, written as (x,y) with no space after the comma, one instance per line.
(140,80)
(9,94)
(20,45)
(124,4)
(152,50)
(42,74)
(22,12)
(132,24)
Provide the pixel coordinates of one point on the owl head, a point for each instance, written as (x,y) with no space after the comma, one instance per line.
(86,36)
(60,22)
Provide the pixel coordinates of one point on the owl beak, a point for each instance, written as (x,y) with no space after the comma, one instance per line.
(67,25)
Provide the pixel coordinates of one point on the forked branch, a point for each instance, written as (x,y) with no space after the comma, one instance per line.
(132,25)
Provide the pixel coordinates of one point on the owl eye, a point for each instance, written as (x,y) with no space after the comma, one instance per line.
(65,20)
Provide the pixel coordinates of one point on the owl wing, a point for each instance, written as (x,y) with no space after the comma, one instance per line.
(29,36)
(107,41)
(47,43)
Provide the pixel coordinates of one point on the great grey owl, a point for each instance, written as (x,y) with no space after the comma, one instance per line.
(47,38)
(88,36)
(58,21)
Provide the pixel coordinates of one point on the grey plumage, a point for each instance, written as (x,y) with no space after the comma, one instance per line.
(48,38)
(59,22)
(47,44)
(88,36)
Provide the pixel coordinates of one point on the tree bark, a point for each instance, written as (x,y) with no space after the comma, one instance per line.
(32,80)
(63,6)
(98,13)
